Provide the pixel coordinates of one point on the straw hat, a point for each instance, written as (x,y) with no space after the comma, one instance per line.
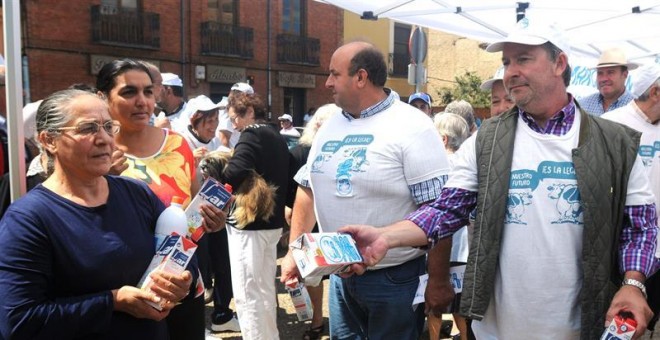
(615,57)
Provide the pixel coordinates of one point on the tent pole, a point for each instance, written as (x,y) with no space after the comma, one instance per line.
(13,88)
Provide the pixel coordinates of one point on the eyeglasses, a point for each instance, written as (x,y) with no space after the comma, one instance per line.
(111,127)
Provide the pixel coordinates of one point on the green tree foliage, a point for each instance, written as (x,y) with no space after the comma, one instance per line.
(467,88)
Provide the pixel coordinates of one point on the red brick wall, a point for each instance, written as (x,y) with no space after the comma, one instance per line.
(57,41)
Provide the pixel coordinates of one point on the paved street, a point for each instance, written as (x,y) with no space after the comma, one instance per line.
(288,324)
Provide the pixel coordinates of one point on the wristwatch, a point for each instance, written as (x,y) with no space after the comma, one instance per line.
(638,284)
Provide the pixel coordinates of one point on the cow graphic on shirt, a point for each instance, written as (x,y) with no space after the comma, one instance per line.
(550,189)
(568,202)
(515,207)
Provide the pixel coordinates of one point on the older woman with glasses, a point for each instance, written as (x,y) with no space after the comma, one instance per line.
(161,158)
(75,246)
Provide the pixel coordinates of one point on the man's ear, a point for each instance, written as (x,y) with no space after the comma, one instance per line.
(362,77)
(562,60)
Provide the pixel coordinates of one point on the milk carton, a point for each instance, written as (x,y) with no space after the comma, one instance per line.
(212,192)
(173,257)
(621,327)
(321,254)
(300,300)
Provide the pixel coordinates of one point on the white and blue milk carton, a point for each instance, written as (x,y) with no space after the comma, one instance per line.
(318,254)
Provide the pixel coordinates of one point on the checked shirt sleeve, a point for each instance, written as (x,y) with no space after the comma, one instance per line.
(428,191)
(445,215)
(638,239)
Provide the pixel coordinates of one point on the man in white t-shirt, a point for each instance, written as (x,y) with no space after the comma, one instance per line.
(643,115)
(286,123)
(374,163)
(565,233)
(171,102)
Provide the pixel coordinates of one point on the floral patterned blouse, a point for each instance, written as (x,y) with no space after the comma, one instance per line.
(169,172)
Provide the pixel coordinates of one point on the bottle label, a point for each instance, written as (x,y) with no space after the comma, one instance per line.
(211,192)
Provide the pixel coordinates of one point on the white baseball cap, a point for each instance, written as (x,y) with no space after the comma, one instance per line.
(644,77)
(171,79)
(532,32)
(286,117)
(201,103)
(488,84)
(243,87)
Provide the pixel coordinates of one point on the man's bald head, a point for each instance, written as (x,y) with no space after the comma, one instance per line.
(366,56)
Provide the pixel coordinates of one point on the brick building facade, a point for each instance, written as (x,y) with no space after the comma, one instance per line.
(282,46)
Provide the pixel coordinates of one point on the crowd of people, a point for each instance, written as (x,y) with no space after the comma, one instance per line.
(539,221)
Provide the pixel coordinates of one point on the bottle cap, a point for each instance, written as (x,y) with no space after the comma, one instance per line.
(228,187)
(177,200)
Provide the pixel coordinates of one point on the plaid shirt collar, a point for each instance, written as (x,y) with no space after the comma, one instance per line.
(374,109)
(559,124)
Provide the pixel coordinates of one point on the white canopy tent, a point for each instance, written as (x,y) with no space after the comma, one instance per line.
(592,25)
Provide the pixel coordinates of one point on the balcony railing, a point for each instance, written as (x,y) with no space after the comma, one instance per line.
(399,64)
(115,26)
(294,49)
(227,40)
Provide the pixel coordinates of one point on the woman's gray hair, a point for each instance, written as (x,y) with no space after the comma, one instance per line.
(454,127)
(463,109)
(54,113)
(322,114)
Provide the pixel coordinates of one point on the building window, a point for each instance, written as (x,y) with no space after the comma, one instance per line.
(400,57)
(124,23)
(113,6)
(293,17)
(223,11)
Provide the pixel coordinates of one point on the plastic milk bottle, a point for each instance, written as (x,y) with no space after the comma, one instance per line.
(171,220)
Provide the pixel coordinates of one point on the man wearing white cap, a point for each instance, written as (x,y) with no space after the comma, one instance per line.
(643,115)
(565,231)
(286,123)
(500,101)
(171,101)
(611,74)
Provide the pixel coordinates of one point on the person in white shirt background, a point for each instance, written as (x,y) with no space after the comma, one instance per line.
(226,133)
(286,123)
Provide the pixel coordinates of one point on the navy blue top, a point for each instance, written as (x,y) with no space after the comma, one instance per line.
(60,260)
